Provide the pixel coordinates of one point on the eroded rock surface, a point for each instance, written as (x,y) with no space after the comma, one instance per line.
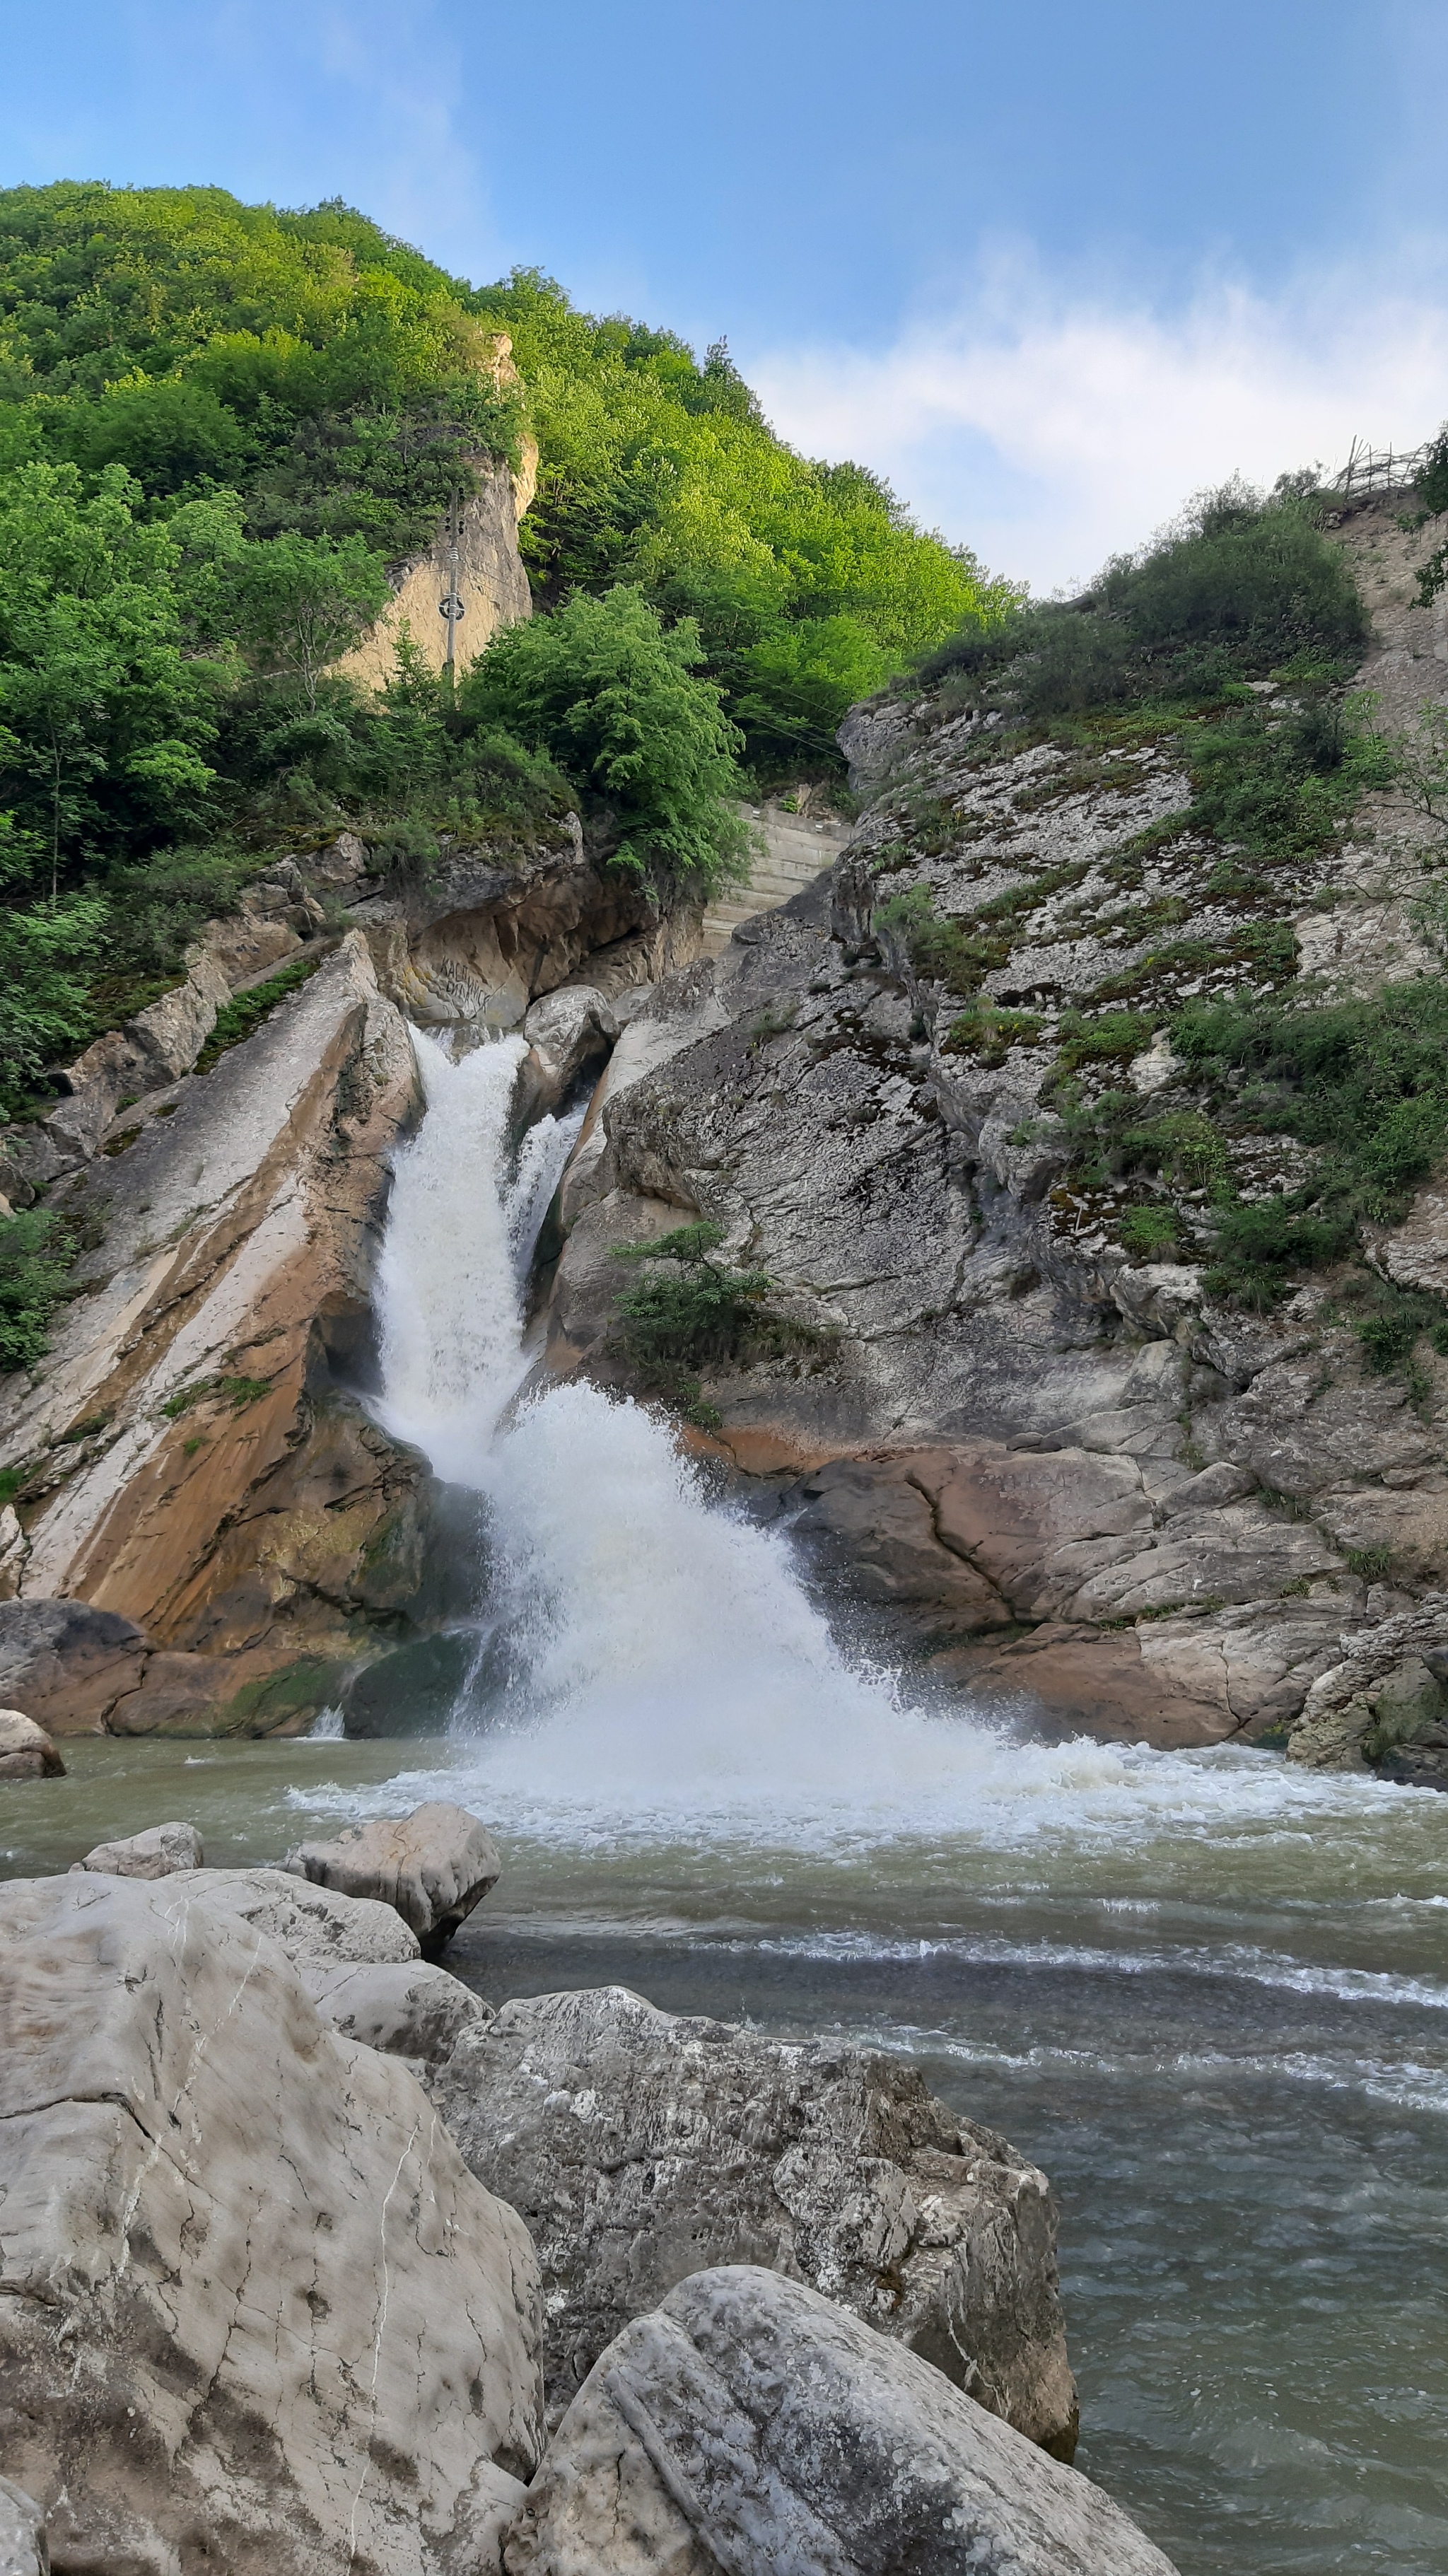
(254,2311)
(750,2424)
(26,1751)
(157,1853)
(433,1866)
(24,2550)
(641,2146)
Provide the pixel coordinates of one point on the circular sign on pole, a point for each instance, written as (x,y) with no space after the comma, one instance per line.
(451,608)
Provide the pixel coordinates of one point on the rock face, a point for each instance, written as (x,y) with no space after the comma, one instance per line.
(225,1499)
(1046,1457)
(157,1853)
(1385,1704)
(641,2146)
(433,1866)
(748,2424)
(26,1751)
(24,2550)
(255,2311)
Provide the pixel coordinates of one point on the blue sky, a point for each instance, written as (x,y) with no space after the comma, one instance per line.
(1050,267)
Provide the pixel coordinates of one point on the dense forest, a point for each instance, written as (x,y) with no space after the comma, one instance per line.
(222,426)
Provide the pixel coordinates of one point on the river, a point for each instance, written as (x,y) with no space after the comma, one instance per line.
(1208,1993)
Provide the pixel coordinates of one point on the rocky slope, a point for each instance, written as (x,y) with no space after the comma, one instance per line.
(1069,1478)
(193,1461)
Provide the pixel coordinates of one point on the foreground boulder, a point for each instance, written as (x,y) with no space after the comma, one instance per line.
(751,2425)
(410,2010)
(256,2314)
(157,1853)
(26,1751)
(434,1866)
(641,2146)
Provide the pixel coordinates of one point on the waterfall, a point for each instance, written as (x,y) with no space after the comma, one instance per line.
(651,1653)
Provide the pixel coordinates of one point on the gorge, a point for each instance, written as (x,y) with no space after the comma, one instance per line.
(877,1447)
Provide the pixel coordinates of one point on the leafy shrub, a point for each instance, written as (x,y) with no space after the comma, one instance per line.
(1239,587)
(703,1313)
(244,1013)
(36,1252)
(1149,1229)
(611,696)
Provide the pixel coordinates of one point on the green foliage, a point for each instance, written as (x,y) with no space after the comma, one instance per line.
(611,695)
(44,1000)
(908,927)
(1364,1084)
(988,1033)
(1149,1229)
(1111,1037)
(36,1253)
(809,583)
(327,372)
(245,1012)
(299,602)
(702,1313)
(1239,587)
(104,717)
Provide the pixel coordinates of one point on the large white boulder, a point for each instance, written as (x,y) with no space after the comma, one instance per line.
(434,1866)
(751,2425)
(254,2311)
(26,1751)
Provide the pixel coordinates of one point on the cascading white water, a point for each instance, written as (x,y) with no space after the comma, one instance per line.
(659,1655)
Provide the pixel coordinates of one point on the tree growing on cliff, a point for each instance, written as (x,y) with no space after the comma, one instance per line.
(615,699)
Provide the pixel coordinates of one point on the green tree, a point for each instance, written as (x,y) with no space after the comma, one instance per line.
(299,602)
(614,698)
(104,719)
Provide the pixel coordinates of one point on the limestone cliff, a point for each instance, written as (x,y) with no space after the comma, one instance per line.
(210,1533)
(1063,1473)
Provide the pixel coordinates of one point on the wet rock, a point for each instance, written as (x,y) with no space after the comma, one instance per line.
(26,1751)
(256,2310)
(408,2009)
(157,1853)
(569,1031)
(1403,1658)
(69,1663)
(881,1526)
(751,2425)
(640,2146)
(433,1866)
(24,2550)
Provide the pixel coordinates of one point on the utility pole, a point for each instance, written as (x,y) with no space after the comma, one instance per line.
(452,606)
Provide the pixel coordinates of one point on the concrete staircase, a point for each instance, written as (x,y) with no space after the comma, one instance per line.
(796,848)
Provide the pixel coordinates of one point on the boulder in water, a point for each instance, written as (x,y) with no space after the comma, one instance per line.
(749,2424)
(434,1866)
(568,1031)
(23,2547)
(26,1751)
(641,2145)
(257,2313)
(157,1853)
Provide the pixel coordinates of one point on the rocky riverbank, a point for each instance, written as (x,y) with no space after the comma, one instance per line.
(776,2303)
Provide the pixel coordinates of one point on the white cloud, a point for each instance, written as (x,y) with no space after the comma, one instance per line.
(1049,435)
